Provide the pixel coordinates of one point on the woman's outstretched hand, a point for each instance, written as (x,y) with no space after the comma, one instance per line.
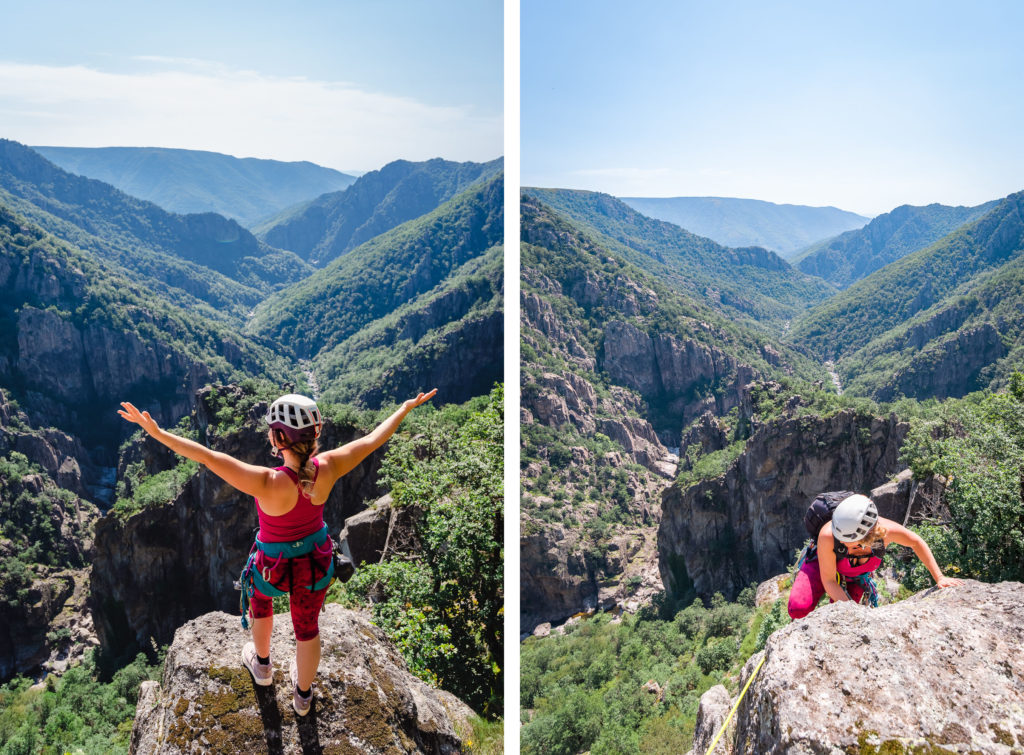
(420,399)
(142,419)
(947,582)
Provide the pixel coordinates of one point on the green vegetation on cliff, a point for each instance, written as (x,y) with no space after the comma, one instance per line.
(443,605)
(70,321)
(447,336)
(977,444)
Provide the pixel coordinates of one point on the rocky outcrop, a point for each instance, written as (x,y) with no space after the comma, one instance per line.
(676,371)
(169,563)
(949,368)
(365,698)
(723,533)
(50,627)
(940,672)
(380,530)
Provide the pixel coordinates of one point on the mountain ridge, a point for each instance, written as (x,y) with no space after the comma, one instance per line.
(183,181)
(747,283)
(333,224)
(853,255)
(735,222)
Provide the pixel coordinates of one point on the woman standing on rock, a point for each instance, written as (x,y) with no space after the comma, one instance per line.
(293,553)
(849,549)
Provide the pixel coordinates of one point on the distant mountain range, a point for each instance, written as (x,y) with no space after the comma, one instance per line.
(749,283)
(783,228)
(248,189)
(191,259)
(856,254)
(335,223)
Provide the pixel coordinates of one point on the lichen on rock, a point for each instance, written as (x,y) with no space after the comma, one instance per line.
(365,698)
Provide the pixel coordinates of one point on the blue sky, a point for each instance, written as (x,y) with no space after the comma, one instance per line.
(347,84)
(863,106)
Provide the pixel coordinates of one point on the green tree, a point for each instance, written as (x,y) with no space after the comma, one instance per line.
(444,605)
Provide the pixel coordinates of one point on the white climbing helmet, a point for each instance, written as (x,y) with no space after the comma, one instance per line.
(297,416)
(853,518)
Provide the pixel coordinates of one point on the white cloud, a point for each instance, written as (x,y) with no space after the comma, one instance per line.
(191,105)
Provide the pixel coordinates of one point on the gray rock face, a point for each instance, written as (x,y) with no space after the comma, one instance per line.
(664,366)
(365,698)
(724,533)
(948,368)
(381,528)
(714,707)
(939,672)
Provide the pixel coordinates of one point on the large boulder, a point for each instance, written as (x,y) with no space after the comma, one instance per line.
(365,698)
(941,672)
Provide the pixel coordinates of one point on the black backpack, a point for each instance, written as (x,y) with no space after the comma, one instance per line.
(820,512)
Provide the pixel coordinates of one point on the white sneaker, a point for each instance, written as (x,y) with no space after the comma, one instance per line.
(300,703)
(262,673)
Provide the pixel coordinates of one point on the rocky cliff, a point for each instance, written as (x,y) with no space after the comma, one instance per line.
(940,672)
(169,563)
(950,367)
(46,527)
(79,337)
(614,363)
(365,699)
(743,526)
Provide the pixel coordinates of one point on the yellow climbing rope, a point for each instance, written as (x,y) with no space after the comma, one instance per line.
(737,705)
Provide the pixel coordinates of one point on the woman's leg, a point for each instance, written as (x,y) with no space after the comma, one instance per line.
(261,611)
(807,590)
(262,629)
(305,608)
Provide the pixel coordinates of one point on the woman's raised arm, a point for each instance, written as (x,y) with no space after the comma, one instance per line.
(897,533)
(342,460)
(249,479)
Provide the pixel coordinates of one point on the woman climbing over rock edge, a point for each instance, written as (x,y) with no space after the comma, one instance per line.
(851,547)
(292,553)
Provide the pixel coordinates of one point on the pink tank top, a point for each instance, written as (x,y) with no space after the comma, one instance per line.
(846,569)
(304,519)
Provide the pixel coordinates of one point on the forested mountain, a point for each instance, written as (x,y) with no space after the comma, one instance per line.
(383,274)
(749,282)
(188,257)
(856,254)
(185,181)
(624,359)
(783,228)
(448,337)
(890,297)
(79,336)
(334,224)
(615,364)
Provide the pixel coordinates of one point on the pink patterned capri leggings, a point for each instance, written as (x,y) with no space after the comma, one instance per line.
(294,575)
(808,589)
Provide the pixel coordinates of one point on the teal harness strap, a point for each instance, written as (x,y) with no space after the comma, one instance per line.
(252,579)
